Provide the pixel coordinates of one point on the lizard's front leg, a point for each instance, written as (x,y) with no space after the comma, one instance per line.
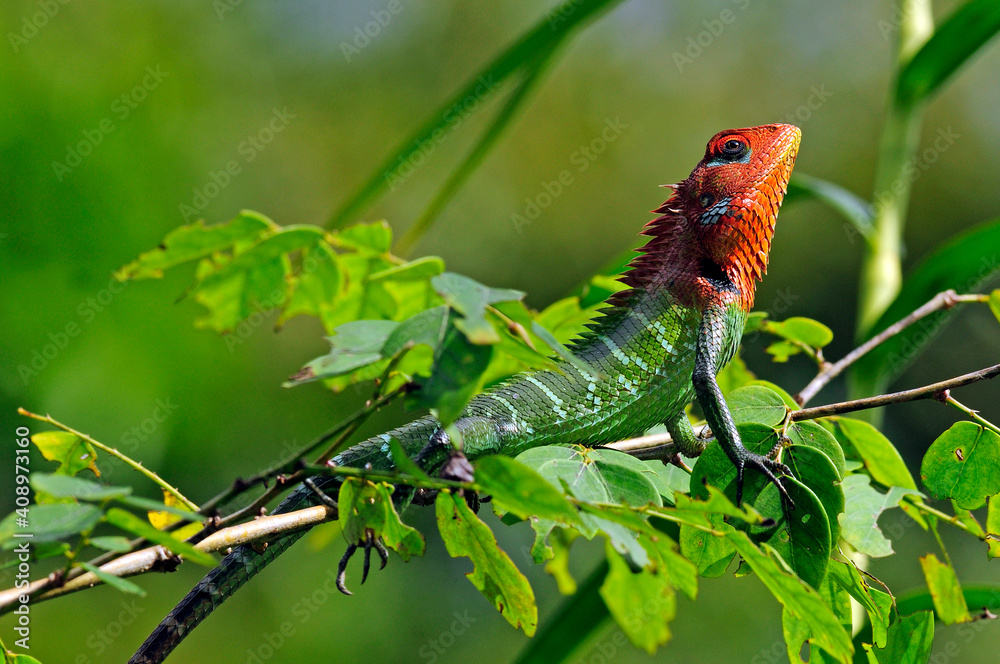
(708,357)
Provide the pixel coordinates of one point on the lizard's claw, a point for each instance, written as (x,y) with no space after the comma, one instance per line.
(767,467)
(371,542)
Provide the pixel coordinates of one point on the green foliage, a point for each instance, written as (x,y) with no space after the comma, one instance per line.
(963,464)
(366,511)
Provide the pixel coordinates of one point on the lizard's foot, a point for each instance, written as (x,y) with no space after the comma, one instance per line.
(765,466)
(371,542)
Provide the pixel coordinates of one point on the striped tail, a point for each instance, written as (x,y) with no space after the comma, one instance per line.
(244,563)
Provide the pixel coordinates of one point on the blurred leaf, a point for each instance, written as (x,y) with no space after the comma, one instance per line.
(963,464)
(72,452)
(154,506)
(963,262)
(63,486)
(401,460)
(114,581)
(458,367)
(804,330)
(494,574)
(49,523)
(315,288)
(366,506)
(519,489)
(876,603)
(420,269)
(757,404)
(994,303)
(863,506)
(910,641)
(373,238)
(801,536)
(782,350)
(114,543)
(961,35)
(949,603)
(161,519)
(881,458)
(133,524)
(799,599)
(852,207)
(197,240)
(642,603)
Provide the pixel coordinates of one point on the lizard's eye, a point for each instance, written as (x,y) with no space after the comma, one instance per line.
(734,148)
(705,200)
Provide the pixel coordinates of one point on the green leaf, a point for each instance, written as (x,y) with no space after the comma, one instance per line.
(910,641)
(877,604)
(881,458)
(963,464)
(801,601)
(470,298)
(49,523)
(72,452)
(494,574)
(112,543)
(757,404)
(804,330)
(811,434)
(962,263)
(642,603)
(353,345)
(458,368)
(863,506)
(814,469)
(782,350)
(801,536)
(155,506)
(942,581)
(425,328)
(373,238)
(710,554)
(114,581)
(136,526)
(785,396)
(196,240)
(564,352)
(65,486)
(714,467)
(401,460)
(852,207)
(961,35)
(517,488)
(993,527)
(994,303)
(316,288)
(420,269)
(365,506)
(734,375)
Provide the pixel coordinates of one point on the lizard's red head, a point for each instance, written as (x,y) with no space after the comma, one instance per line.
(720,220)
(732,197)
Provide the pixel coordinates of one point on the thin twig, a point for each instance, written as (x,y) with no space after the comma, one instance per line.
(135,465)
(943,300)
(973,414)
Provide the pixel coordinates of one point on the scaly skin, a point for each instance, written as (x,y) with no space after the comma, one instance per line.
(659,344)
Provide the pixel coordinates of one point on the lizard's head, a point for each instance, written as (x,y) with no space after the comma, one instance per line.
(732,197)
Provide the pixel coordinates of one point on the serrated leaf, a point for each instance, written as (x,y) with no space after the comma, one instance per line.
(963,464)
(942,581)
(797,597)
(71,452)
(517,488)
(114,581)
(642,603)
(910,641)
(69,486)
(195,241)
(804,330)
(368,506)
(881,458)
(133,524)
(863,506)
(493,574)
(758,405)
(49,523)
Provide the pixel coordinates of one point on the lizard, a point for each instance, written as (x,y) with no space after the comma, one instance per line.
(657,345)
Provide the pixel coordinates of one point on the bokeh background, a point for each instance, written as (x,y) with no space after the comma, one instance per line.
(213,75)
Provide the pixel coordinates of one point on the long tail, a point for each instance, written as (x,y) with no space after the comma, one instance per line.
(244,563)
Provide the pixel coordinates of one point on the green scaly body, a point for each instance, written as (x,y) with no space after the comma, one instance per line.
(657,346)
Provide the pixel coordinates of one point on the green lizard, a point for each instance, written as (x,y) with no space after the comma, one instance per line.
(659,344)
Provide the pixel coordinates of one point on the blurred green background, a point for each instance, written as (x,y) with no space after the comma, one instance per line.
(167,94)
